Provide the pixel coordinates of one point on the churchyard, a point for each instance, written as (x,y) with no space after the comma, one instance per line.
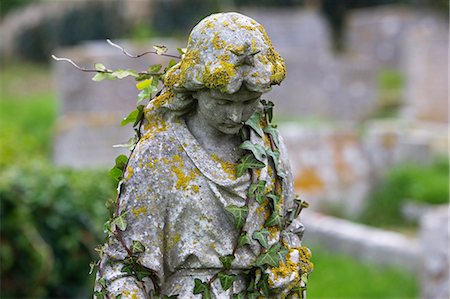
(367,152)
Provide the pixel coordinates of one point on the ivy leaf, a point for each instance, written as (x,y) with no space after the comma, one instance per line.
(275,155)
(274,220)
(121,161)
(182,51)
(239,215)
(282,253)
(134,117)
(92,266)
(131,118)
(226,261)
(100,67)
(120,74)
(263,285)
(261,237)
(272,131)
(253,295)
(257,190)
(268,108)
(226,281)
(118,296)
(154,68)
(102,76)
(203,288)
(243,240)
(275,200)
(253,122)
(137,247)
(144,84)
(131,143)
(248,162)
(116,173)
(120,222)
(258,151)
(241,295)
(270,257)
(100,294)
(160,49)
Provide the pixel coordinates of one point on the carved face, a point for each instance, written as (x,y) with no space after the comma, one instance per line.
(223,112)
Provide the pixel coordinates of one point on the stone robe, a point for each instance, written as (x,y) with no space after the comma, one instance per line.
(174,197)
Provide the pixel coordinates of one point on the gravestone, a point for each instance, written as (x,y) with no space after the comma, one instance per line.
(90,113)
(435,243)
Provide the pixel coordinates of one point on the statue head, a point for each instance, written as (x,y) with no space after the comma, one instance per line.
(226,54)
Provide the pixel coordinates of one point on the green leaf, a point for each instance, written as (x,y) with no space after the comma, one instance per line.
(239,215)
(261,237)
(270,257)
(241,295)
(144,84)
(272,131)
(100,294)
(243,240)
(257,150)
(182,51)
(116,173)
(92,266)
(102,76)
(130,144)
(248,162)
(203,288)
(226,261)
(275,199)
(263,284)
(226,280)
(100,67)
(172,62)
(257,190)
(268,108)
(154,68)
(275,157)
(120,222)
(119,296)
(253,122)
(160,49)
(274,220)
(137,247)
(131,118)
(120,74)
(121,161)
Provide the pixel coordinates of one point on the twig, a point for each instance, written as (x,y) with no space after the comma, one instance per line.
(79,67)
(138,55)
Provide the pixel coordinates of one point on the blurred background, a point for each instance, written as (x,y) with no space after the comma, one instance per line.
(363,111)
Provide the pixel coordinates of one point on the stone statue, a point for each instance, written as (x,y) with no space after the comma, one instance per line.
(196,224)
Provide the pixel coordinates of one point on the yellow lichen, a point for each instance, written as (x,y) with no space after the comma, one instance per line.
(139,211)
(171,242)
(195,188)
(228,167)
(130,172)
(217,42)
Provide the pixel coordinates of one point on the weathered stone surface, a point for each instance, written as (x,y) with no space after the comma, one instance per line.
(435,244)
(368,244)
(426,62)
(183,198)
(330,167)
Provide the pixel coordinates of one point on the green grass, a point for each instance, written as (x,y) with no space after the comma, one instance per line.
(339,276)
(27,114)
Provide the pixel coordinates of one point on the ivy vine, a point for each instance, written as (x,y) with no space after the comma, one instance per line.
(258,283)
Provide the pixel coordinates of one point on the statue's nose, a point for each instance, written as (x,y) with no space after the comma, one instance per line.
(235,113)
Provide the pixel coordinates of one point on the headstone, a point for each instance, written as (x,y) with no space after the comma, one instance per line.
(435,244)
(426,61)
(90,112)
(330,167)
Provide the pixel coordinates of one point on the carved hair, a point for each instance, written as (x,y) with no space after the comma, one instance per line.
(225,51)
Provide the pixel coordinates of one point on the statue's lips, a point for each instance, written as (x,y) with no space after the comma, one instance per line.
(232,126)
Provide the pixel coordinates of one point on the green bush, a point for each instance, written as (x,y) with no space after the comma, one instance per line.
(423,184)
(51,221)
